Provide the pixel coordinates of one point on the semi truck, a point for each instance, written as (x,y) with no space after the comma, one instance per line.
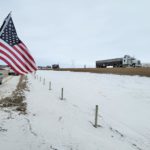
(55,66)
(126,61)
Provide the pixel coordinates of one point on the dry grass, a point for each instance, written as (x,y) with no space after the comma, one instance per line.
(120,71)
(16,100)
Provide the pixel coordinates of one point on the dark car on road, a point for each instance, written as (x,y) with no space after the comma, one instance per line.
(1,77)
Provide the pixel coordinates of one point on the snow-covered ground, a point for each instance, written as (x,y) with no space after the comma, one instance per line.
(55,124)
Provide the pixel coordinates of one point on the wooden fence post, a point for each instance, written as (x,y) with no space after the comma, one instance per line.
(44,81)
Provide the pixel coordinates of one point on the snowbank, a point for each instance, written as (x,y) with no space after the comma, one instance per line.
(51,123)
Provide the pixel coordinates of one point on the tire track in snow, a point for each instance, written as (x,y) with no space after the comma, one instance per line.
(30,127)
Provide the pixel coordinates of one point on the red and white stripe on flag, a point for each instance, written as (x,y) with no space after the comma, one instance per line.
(17,57)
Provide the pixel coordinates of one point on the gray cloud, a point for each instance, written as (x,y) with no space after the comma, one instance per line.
(82,31)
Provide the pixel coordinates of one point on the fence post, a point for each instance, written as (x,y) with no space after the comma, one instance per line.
(49,85)
(62,94)
(44,81)
(40,79)
(96,116)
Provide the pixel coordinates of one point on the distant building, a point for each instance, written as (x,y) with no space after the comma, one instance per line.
(147,65)
(44,67)
(3,67)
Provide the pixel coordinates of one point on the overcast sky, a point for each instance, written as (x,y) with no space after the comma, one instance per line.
(79,32)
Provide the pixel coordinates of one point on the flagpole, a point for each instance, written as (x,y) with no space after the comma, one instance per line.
(5,23)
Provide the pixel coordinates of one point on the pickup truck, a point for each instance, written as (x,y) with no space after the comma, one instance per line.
(1,77)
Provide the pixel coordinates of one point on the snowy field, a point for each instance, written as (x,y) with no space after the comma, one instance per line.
(55,124)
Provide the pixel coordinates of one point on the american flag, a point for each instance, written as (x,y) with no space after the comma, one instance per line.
(13,51)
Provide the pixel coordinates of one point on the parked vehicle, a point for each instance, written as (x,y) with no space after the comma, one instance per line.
(55,66)
(1,77)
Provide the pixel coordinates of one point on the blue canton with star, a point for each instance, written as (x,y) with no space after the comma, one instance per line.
(9,34)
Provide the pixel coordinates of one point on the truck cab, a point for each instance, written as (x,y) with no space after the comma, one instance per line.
(129,61)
